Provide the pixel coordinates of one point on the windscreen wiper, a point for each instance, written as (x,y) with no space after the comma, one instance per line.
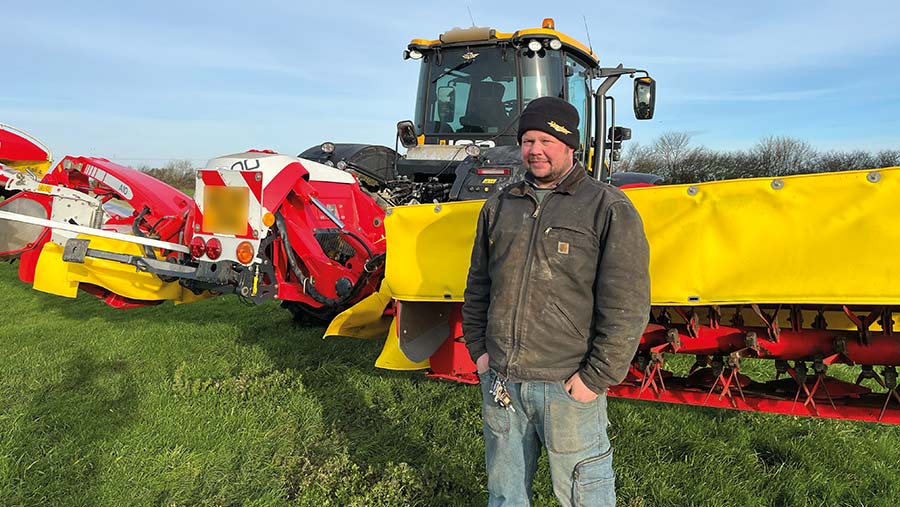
(454,69)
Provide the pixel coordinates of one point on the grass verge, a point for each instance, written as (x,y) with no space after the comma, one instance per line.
(218,403)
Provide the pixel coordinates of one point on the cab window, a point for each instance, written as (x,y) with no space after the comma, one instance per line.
(578,90)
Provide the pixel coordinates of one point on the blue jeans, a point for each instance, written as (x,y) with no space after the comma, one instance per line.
(574,434)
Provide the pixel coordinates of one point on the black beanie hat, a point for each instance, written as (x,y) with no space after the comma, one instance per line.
(551,115)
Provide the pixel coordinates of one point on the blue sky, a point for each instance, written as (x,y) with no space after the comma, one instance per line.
(143,83)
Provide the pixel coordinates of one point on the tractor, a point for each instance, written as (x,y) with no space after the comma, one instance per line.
(473,84)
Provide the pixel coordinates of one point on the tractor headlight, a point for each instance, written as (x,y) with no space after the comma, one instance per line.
(535,45)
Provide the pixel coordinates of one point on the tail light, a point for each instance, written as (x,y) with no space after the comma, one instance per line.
(213,248)
(244,252)
(198,247)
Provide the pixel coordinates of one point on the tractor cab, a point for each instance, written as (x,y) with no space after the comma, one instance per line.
(474,83)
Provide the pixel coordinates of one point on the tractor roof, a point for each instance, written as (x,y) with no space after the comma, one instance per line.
(485,35)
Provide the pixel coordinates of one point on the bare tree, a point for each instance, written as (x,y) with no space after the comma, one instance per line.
(678,162)
(887,158)
(639,158)
(177,173)
(672,148)
(672,157)
(179,166)
(844,161)
(781,155)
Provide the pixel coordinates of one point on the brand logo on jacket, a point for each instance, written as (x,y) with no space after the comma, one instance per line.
(562,247)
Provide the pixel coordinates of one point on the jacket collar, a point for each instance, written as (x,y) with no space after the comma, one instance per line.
(568,185)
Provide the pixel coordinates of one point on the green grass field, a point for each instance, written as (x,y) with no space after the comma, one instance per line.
(219,403)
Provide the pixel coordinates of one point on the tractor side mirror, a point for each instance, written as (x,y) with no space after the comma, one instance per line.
(644,97)
(406,132)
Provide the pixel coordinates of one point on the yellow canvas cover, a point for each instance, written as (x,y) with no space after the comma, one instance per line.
(429,247)
(818,238)
(365,320)
(392,358)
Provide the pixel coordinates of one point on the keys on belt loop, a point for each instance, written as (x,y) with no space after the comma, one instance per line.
(501,393)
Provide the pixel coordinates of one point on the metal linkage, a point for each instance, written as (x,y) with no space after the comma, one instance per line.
(802,351)
(700,362)
(868,372)
(863,323)
(663,318)
(781,368)
(715,316)
(890,382)
(691,320)
(683,331)
(731,380)
(737,319)
(886,321)
(771,321)
(653,376)
(796,319)
(819,322)
(801,376)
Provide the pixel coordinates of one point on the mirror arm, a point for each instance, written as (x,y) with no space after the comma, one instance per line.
(397,152)
(612,142)
(619,71)
(612,75)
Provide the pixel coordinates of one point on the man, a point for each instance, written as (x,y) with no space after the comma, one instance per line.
(557,297)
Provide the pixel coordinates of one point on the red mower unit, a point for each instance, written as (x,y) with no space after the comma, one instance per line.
(263,226)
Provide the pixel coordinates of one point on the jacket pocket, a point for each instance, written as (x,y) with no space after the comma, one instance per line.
(571,323)
(564,234)
(568,229)
(567,260)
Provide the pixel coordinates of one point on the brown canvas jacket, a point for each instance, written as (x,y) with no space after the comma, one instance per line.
(559,287)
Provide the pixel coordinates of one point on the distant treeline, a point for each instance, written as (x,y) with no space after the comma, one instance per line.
(177,173)
(672,157)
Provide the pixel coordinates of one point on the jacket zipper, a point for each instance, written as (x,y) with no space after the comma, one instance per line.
(526,269)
